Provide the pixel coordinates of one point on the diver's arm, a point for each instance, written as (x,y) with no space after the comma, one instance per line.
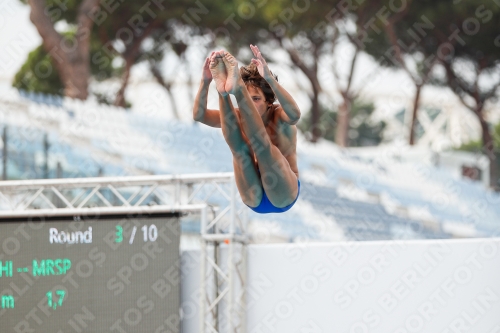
(291,111)
(200,111)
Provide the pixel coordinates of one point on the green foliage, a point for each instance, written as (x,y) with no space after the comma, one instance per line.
(477,146)
(116,22)
(38,74)
(105,99)
(327,124)
(242,21)
(496,136)
(362,130)
(101,63)
(434,28)
(60,10)
(472,146)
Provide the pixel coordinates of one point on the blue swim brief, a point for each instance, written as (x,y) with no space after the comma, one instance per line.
(266,206)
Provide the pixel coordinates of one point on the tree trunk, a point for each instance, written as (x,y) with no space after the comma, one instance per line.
(315,115)
(120,95)
(344,112)
(343,121)
(189,79)
(488,148)
(71,57)
(168,87)
(414,113)
(131,53)
(312,75)
(76,76)
(171,96)
(487,140)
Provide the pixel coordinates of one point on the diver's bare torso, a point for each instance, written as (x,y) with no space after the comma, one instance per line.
(282,135)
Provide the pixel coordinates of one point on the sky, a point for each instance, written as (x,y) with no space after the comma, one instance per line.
(18,37)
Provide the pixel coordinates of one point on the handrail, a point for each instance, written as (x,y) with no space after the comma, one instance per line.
(11,185)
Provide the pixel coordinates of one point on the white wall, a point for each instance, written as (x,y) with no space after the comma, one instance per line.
(437,286)
(391,287)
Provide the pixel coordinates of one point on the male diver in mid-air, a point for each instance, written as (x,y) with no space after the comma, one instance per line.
(261,135)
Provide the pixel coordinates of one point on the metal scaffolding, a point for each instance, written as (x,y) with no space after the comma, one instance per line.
(213,196)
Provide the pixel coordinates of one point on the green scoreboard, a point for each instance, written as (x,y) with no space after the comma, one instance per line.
(100,274)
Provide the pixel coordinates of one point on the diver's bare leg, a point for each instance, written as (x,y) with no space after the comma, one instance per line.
(278,179)
(245,171)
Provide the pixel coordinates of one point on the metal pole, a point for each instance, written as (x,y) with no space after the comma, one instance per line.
(243,300)
(230,265)
(59,174)
(216,284)
(46,153)
(59,170)
(177,193)
(203,285)
(4,156)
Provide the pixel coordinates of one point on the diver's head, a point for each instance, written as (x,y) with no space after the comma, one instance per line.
(260,91)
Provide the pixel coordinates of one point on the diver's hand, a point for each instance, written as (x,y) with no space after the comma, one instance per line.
(207,75)
(261,63)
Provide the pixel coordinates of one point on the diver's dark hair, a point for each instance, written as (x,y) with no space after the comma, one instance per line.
(250,75)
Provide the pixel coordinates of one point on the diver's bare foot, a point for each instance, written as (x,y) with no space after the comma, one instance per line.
(218,70)
(233,73)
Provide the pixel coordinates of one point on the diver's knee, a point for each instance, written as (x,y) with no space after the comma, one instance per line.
(253,195)
(270,179)
(283,201)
